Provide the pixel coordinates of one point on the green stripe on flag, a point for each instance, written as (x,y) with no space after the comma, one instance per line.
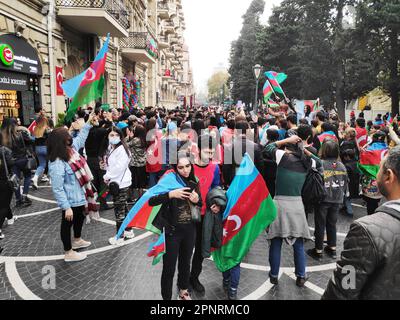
(369,170)
(149,225)
(236,249)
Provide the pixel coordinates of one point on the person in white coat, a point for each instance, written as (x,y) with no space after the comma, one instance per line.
(118,177)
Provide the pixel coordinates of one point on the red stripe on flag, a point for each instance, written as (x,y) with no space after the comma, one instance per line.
(141,218)
(246,208)
(372,158)
(95,72)
(274,83)
(156,250)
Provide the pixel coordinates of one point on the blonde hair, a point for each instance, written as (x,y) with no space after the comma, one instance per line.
(351,133)
(42,124)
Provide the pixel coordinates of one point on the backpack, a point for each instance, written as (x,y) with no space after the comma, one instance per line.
(313,191)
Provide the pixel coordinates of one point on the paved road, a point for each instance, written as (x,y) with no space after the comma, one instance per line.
(33,251)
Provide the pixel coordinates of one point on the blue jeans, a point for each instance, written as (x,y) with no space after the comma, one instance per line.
(153,178)
(41,153)
(232,276)
(299,257)
(18,168)
(347,204)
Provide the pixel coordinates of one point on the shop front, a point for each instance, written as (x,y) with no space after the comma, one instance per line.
(20,73)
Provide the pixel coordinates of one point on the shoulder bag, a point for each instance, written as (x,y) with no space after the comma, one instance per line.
(12,179)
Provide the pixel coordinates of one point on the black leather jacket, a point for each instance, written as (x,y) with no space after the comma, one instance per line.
(168,215)
(372,248)
(10,162)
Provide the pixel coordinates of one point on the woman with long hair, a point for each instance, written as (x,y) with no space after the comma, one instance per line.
(153,152)
(71,183)
(41,133)
(18,142)
(180,230)
(116,159)
(6,163)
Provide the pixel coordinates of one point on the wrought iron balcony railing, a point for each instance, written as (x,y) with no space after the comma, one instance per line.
(140,40)
(116,8)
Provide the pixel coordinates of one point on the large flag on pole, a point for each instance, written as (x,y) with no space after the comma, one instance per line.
(247,215)
(91,84)
(267,91)
(371,158)
(276,79)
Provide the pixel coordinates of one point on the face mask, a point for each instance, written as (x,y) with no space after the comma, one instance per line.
(114,141)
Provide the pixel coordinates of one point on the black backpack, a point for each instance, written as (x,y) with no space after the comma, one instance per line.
(313,191)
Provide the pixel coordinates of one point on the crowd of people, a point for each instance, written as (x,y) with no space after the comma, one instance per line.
(115,153)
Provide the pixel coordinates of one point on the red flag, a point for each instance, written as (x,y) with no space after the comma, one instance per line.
(59,81)
(32,126)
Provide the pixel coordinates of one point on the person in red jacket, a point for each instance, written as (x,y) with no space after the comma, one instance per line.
(208,174)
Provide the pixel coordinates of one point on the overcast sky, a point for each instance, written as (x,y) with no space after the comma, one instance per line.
(211,26)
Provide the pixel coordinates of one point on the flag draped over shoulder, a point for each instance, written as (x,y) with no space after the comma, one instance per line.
(371,158)
(142,214)
(247,214)
(276,79)
(325,135)
(89,85)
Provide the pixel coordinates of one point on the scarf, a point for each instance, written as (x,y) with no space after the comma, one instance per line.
(84,176)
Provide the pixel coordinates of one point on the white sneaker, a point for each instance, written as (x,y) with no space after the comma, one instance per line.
(80,244)
(11,221)
(115,242)
(74,257)
(1,235)
(129,234)
(44,179)
(35,182)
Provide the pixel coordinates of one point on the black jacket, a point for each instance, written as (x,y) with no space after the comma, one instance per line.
(372,250)
(234,153)
(167,217)
(10,162)
(212,223)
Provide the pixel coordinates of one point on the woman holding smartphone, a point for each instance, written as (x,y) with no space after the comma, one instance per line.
(180,230)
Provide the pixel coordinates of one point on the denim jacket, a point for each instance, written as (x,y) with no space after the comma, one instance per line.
(66,188)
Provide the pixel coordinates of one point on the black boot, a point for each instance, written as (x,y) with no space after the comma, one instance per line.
(26,202)
(232,294)
(197,286)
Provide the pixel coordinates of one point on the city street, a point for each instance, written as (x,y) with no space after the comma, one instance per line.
(32,244)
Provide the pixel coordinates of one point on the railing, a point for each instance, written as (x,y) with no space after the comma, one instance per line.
(162,6)
(140,40)
(116,8)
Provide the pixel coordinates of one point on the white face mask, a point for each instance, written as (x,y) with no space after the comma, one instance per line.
(115,140)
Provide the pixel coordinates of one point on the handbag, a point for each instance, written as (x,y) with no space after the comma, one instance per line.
(113,187)
(195,212)
(12,179)
(32,162)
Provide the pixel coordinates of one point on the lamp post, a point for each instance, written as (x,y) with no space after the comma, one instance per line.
(231,84)
(257,69)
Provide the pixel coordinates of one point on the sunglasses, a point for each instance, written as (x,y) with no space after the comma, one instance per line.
(184,167)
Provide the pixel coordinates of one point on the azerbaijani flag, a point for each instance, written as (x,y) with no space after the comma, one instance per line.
(91,84)
(249,211)
(157,249)
(390,119)
(328,134)
(371,158)
(142,214)
(276,79)
(32,126)
(273,104)
(267,91)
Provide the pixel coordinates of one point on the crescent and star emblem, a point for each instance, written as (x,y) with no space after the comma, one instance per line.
(90,75)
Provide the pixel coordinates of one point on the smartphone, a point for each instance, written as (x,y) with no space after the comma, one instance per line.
(192,185)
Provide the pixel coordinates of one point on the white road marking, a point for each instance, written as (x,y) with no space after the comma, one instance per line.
(89,252)
(35,213)
(41,200)
(17,283)
(308,284)
(262,290)
(344,235)
(358,205)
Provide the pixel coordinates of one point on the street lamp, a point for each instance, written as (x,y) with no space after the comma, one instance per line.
(257,69)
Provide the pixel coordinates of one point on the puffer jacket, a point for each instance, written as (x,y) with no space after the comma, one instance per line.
(212,223)
(372,248)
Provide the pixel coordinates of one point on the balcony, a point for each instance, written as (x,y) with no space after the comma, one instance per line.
(139,47)
(174,40)
(163,10)
(95,16)
(169,27)
(163,42)
(170,55)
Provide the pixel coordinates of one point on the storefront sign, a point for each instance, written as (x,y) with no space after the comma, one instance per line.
(13,81)
(19,55)
(59,81)
(6,54)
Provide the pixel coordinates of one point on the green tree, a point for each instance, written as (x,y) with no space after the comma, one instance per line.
(215,84)
(243,54)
